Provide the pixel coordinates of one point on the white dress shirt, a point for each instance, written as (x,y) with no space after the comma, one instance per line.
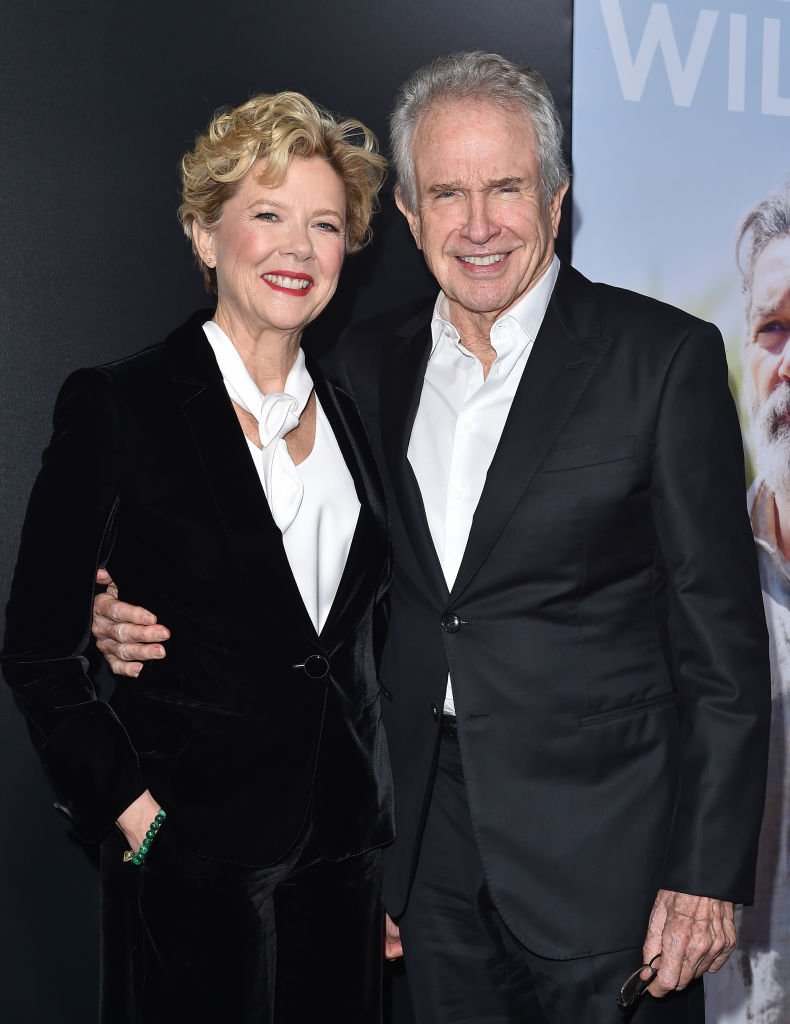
(461,417)
(318,537)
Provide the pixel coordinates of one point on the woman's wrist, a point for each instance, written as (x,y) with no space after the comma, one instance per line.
(135,821)
(138,856)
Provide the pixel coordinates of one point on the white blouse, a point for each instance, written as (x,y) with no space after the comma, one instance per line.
(318,538)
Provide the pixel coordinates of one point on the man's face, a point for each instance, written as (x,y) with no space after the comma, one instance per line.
(481,221)
(768,361)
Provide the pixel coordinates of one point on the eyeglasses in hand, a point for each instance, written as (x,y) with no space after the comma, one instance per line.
(635,986)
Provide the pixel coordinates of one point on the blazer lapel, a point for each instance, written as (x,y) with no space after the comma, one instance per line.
(402,377)
(365,564)
(249,529)
(559,369)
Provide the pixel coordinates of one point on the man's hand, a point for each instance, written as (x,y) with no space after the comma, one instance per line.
(693,934)
(392,945)
(126,634)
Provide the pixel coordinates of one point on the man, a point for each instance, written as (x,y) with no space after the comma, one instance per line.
(755,986)
(575,672)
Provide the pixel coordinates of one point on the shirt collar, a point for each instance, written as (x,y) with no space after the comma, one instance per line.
(763,517)
(526,315)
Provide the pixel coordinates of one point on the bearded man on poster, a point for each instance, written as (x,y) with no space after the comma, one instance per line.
(755,986)
(575,672)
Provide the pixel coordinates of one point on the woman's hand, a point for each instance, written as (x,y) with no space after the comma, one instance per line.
(136,819)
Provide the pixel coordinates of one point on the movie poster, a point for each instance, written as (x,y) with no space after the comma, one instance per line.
(681,165)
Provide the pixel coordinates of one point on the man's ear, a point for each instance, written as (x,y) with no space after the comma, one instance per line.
(204,243)
(412,218)
(555,207)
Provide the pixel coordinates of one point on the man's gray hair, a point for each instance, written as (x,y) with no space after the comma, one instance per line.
(769,220)
(482,76)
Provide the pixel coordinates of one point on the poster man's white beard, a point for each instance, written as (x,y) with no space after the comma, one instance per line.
(772,438)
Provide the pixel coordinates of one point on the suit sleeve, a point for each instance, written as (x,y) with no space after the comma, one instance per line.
(67,534)
(716,631)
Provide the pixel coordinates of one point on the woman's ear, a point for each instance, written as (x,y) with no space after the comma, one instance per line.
(203,240)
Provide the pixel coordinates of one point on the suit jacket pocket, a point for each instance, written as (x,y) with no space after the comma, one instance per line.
(189,705)
(172,861)
(163,726)
(629,710)
(593,453)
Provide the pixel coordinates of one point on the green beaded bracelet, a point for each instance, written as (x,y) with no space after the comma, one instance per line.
(138,858)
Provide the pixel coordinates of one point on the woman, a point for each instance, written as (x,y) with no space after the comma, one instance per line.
(218,477)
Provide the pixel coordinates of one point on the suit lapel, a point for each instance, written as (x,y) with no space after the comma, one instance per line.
(402,377)
(364,568)
(249,529)
(561,364)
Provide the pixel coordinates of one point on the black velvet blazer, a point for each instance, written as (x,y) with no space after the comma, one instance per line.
(252,711)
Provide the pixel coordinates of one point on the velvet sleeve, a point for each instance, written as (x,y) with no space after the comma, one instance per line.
(67,534)
(717,631)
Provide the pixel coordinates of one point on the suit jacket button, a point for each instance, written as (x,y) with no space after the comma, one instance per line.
(435,712)
(451,622)
(316,666)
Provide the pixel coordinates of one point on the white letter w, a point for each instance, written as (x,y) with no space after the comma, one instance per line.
(658,34)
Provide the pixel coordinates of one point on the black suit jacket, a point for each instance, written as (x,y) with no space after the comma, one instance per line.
(605,634)
(251,712)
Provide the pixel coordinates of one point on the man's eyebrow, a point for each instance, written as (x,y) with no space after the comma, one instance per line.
(456,186)
(504,182)
(444,186)
(767,311)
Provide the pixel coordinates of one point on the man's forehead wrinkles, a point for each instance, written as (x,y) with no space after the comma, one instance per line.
(771,293)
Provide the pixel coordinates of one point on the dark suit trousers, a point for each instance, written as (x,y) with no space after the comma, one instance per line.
(463,964)
(188,940)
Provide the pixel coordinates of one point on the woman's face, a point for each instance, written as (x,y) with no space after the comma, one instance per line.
(278,249)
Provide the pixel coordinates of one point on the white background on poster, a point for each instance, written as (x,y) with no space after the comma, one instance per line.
(681,123)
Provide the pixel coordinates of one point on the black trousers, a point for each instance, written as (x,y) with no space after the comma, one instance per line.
(464,966)
(188,940)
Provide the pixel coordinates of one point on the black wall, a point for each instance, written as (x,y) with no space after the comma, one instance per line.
(99,100)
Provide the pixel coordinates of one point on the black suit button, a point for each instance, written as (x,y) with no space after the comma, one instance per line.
(316,666)
(435,712)
(451,623)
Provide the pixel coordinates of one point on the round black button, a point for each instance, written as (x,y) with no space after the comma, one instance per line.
(451,623)
(316,666)
(435,712)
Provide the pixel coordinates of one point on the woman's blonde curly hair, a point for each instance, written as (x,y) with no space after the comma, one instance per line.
(276,127)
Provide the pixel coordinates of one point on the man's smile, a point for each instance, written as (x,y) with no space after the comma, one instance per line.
(488,260)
